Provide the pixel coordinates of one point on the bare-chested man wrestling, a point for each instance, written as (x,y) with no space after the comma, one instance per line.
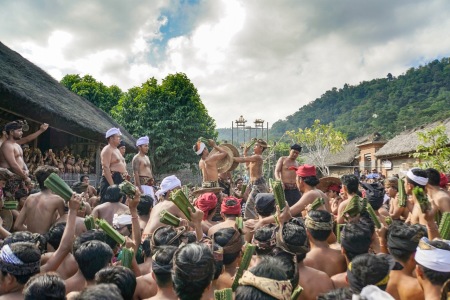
(208,163)
(257,182)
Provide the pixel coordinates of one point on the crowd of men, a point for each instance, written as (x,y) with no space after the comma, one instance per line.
(328,249)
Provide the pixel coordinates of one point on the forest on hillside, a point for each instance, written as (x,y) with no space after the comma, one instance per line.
(387,105)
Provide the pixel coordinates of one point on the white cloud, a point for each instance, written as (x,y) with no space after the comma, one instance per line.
(259,58)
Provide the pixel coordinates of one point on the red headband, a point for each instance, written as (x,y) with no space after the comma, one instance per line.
(305,170)
(231,210)
(206,202)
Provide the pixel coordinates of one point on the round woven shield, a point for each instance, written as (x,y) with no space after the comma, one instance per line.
(225,163)
(325,182)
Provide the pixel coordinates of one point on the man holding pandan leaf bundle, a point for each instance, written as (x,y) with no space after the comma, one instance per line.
(257,183)
(208,162)
(285,172)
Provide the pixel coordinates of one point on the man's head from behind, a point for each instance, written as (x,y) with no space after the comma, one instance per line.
(121,276)
(162,265)
(355,240)
(42,173)
(433,262)
(319,224)
(231,241)
(193,271)
(47,286)
(92,256)
(402,240)
(113,194)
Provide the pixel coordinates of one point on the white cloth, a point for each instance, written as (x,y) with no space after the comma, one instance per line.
(417,179)
(121,220)
(434,259)
(112,131)
(142,141)
(148,190)
(372,292)
(200,149)
(168,184)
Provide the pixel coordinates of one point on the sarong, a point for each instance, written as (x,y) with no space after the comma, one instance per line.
(117,179)
(257,186)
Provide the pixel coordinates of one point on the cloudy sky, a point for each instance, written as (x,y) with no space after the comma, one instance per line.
(257,58)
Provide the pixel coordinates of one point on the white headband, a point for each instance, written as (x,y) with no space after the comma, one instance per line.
(435,259)
(112,131)
(168,184)
(417,179)
(8,256)
(201,148)
(142,141)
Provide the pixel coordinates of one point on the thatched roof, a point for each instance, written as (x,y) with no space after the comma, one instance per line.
(28,91)
(407,141)
(344,157)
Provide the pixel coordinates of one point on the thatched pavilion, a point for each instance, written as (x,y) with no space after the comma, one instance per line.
(398,151)
(29,93)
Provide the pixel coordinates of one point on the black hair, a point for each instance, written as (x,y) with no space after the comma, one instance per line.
(164,258)
(47,286)
(434,178)
(294,233)
(289,262)
(55,234)
(163,235)
(368,269)
(218,264)
(193,271)
(351,182)
(27,253)
(92,256)
(82,177)
(103,291)
(321,216)
(436,277)
(93,235)
(146,249)
(402,240)
(121,276)
(269,267)
(144,206)
(337,294)
(264,234)
(355,240)
(112,194)
(42,173)
(25,236)
(417,172)
(80,187)
(311,180)
(20,194)
(223,237)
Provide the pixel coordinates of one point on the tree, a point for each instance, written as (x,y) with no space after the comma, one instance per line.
(94,91)
(172,115)
(319,141)
(433,150)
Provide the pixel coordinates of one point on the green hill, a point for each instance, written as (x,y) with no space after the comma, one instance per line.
(388,105)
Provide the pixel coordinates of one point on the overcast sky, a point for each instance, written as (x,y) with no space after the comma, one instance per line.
(257,58)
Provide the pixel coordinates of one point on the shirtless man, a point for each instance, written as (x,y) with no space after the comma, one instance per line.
(142,169)
(208,163)
(111,205)
(319,225)
(257,183)
(415,177)
(168,185)
(113,163)
(230,210)
(286,174)
(350,185)
(439,196)
(39,209)
(27,138)
(11,157)
(306,183)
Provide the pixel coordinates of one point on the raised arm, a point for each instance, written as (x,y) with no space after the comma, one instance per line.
(67,239)
(34,135)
